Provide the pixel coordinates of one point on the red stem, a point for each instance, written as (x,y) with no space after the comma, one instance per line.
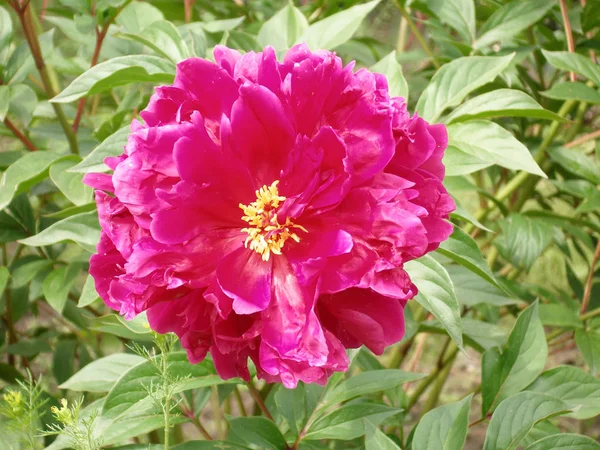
(11,126)
(568,32)
(100,35)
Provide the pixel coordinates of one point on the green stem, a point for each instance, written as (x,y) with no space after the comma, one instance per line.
(434,395)
(240,401)
(167,412)
(426,382)
(418,34)
(403,349)
(591,314)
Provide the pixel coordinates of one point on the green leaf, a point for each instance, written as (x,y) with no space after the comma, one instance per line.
(483,335)
(163,38)
(576,162)
(283,29)
(291,404)
(336,29)
(444,428)
(256,432)
(576,63)
(58,283)
(205,445)
(556,315)
(486,143)
(376,440)
(29,348)
(462,249)
(88,293)
(132,387)
(63,360)
(6,27)
(501,103)
(517,415)
(366,383)
(25,173)
(459,14)
(70,184)
(574,386)
(472,290)
(113,145)
(570,90)
(4,98)
(81,228)
(347,422)
(134,329)
(588,343)
(389,66)
(523,239)
(9,374)
(118,72)
(436,294)
(20,63)
(511,19)
(565,441)
(504,374)
(219,26)
(101,375)
(26,272)
(71,30)
(195,38)
(138,15)
(457,79)
(71,211)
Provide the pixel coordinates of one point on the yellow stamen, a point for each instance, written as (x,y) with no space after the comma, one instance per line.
(265,234)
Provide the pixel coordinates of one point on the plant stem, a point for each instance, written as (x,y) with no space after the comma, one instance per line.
(583,139)
(259,401)
(26,20)
(589,282)
(568,32)
(166,413)
(426,382)
(434,395)
(100,35)
(240,401)
(591,314)
(417,34)
(24,139)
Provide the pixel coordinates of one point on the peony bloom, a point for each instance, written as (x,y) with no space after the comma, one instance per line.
(265,210)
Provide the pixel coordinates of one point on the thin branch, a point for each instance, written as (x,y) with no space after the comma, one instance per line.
(43,11)
(590,279)
(26,20)
(100,35)
(188,5)
(583,139)
(418,34)
(259,401)
(426,382)
(568,32)
(591,314)
(24,139)
(240,401)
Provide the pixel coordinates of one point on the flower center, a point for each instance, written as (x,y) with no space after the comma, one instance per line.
(265,234)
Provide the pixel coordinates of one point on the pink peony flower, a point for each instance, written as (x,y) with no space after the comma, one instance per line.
(265,210)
